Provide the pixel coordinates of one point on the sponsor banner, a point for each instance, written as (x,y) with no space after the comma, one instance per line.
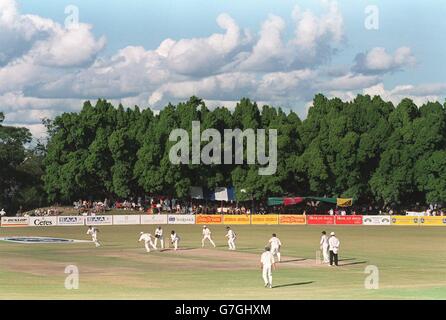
(127,219)
(292,219)
(320,219)
(208,219)
(42,221)
(405,221)
(416,213)
(180,219)
(236,219)
(348,220)
(70,221)
(433,221)
(15,221)
(376,220)
(154,219)
(265,219)
(99,220)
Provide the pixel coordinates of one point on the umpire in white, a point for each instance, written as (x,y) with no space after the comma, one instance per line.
(333,247)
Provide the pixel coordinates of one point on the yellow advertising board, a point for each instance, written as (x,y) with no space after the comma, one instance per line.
(433,221)
(265,219)
(292,219)
(236,219)
(405,220)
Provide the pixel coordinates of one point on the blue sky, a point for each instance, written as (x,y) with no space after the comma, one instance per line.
(418,24)
(404,57)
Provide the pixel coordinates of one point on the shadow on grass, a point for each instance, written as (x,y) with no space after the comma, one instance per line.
(353,263)
(347,259)
(293,260)
(293,284)
(185,249)
(172,249)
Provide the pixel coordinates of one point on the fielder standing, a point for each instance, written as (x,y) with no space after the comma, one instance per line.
(275,244)
(333,244)
(94,235)
(324,247)
(231,238)
(159,235)
(206,235)
(147,238)
(174,239)
(267,263)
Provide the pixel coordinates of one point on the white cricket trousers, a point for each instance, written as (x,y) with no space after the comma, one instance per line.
(175,244)
(231,244)
(147,244)
(325,254)
(208,238)
(267,275)
(161,242)
(275,252)
(95,240)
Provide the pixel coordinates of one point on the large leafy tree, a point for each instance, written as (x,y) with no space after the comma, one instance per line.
(20,169)
(365,148)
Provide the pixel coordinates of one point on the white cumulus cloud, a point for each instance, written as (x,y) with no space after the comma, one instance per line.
(378,60)
(46,68)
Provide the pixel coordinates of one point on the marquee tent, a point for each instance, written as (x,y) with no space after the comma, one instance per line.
(341,202)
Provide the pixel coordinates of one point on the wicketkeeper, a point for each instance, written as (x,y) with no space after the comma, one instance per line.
(159,236)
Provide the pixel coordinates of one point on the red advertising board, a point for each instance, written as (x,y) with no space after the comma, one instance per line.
(291,219)
(348,220)
(209,219)
(320,219)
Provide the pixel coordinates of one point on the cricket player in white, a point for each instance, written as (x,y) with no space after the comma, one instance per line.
(231,238)
(333,246)
(174,239)
(206,235)
(94,235)
(324,247)
(275,244)
(159,235)
(267,263)
(147,238)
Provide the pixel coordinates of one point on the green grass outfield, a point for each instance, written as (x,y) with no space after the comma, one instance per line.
(411,262)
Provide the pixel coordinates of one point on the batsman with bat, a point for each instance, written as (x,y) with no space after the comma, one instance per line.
(174,239)
(324,247)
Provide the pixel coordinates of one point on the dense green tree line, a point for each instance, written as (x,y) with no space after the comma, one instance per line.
(367,149)
(21,170)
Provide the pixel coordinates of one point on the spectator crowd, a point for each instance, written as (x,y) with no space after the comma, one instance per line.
(166,205)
